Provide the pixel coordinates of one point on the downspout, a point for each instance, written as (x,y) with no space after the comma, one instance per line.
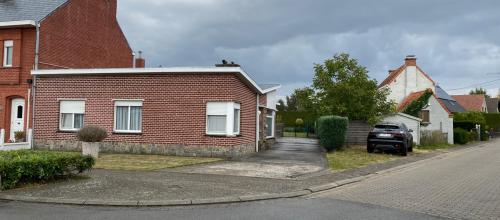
(257,126)
(33,85)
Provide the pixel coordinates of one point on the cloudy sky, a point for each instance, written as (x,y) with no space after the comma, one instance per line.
(278,41)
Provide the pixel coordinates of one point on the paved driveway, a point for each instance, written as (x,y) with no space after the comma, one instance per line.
(463,185)
(288,158)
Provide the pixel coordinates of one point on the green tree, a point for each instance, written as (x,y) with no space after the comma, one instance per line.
(301,100)
(344,88)
(479,91)
(281,105)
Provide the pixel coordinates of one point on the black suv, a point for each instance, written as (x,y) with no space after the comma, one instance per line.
(390,136)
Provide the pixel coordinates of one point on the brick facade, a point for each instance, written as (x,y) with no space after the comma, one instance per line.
(174,109)
(80,34)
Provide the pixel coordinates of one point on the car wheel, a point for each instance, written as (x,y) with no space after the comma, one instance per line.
(369,148)
(404,150)
(410,148)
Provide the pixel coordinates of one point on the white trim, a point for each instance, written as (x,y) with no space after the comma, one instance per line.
(223,109)
(17,23)
(272,116)
(71,99)
(8,44)
(127,103)
(175,70)
(271,89)
(409,116)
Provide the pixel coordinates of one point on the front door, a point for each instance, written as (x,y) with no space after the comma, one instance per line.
(17,117)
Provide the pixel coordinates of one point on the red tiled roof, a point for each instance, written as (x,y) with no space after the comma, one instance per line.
(395,73)
(415,95)
(409,99)
(470,102)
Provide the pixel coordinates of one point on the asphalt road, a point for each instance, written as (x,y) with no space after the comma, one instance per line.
(323,208)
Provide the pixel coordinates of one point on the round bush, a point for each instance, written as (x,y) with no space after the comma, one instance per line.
(92,133)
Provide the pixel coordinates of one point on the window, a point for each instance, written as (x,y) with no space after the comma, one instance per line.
(72,113)
(424,115)
(270,124)
(8,48)
(223,118)
(128,116)
(20,111)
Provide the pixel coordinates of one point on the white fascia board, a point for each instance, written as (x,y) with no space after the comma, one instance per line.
(17,23)
(271,89)
(409,116)
(117,71)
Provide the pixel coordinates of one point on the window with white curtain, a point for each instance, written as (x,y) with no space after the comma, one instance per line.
(71,115)
(8,50)
(270,124)
(128,116)
(223,118)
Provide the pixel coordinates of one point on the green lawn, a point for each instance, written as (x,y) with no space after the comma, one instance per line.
(355,156)
(147,162)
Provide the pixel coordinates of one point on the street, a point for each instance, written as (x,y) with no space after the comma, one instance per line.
(463,184)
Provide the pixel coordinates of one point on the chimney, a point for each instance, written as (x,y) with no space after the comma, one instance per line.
(225,63)
(139,61)
(411,60)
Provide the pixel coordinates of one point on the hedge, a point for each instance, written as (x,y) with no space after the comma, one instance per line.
(493,120)
(26,166)
(332,131)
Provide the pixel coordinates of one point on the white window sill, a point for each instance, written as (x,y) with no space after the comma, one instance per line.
(268,137)
(127,132)
(222,135)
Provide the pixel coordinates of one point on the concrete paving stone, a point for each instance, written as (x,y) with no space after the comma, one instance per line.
(111,202)
(215,200)
(322,187)
(294,194)
(247,198)
(164,202)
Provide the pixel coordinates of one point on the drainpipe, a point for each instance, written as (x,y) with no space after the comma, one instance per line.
(257,126)
(33,85)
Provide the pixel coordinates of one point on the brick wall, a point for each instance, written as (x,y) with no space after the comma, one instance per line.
(84,34)
(174,106)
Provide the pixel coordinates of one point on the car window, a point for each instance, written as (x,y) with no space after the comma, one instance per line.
(387,127)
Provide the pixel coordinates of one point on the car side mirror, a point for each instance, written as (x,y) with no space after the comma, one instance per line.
(409,130)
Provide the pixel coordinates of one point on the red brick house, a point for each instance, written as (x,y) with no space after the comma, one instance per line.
(216,111)
(52,34)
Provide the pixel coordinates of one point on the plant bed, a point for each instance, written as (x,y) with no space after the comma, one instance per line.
(135,162)
(27,166)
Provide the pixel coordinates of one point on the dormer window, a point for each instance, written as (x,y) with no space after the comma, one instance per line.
(8,49)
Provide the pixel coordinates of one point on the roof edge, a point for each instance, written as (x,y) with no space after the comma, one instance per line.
(186,70)
(22,23)
(408,116)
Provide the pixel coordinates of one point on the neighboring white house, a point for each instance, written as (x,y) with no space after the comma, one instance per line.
(407,84)
(411,122)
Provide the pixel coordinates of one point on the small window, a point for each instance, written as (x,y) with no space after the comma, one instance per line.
(8,49)
(128,116)
(71,115)
(20,111)
(424,115)
(270,124)
(223,118)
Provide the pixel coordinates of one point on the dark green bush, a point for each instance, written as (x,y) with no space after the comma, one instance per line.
(332,132)
(26,166)
(493,120)
(92,133)
(461,136)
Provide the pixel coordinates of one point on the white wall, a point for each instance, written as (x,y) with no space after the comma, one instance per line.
(272,99)
(409,81)
(439,119)
(412,124)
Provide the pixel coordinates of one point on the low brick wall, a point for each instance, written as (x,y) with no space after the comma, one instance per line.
(159,149)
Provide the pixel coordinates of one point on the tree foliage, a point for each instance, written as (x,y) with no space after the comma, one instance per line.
(479,91)
(344,88)
(301,100)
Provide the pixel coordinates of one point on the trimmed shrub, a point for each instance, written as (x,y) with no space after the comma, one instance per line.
(26,166)
(92,133)
(461,136)
(493,120)
(332,131)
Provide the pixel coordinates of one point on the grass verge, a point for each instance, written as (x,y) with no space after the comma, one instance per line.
(355,156)
(435,147)
(147,162)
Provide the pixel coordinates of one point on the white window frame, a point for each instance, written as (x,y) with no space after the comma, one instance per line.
(128,103)
(8,44)
(78,110)
(223,109)
(272,116)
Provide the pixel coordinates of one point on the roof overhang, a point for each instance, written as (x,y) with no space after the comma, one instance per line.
(264,91)
(171,70)
(25,23)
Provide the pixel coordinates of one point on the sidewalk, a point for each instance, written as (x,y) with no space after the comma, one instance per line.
(128,188)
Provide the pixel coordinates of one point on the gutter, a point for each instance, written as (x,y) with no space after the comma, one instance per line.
(24,23)
(257,127)
(33,85)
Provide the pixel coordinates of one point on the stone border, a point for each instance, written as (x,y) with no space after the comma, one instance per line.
(236,199)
